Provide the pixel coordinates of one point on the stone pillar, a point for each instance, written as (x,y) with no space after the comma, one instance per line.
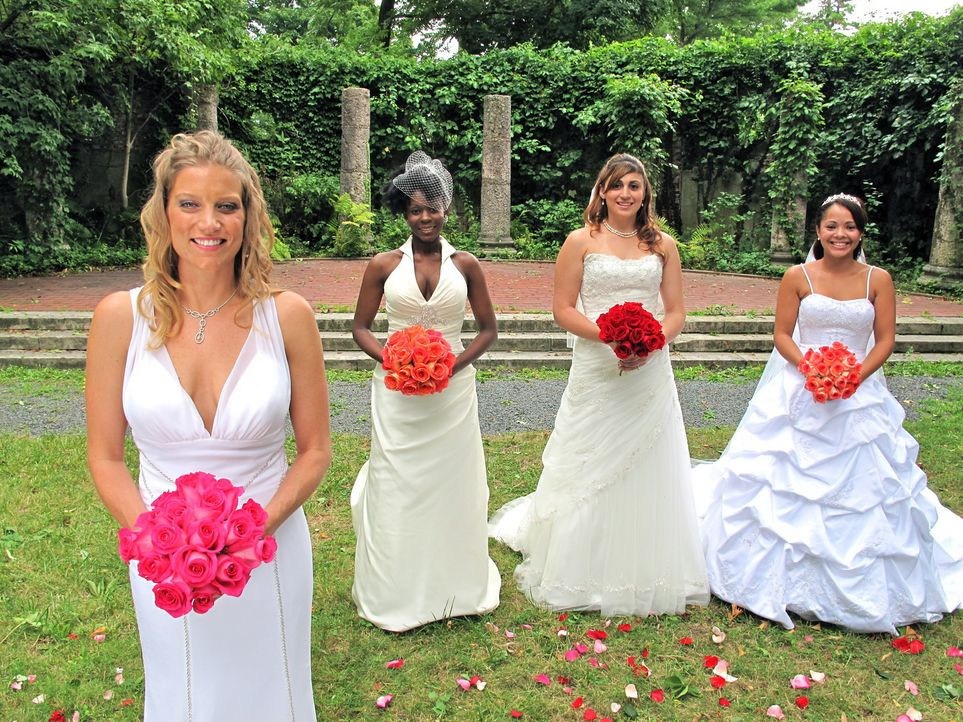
(496,190)
(355,131)
(780,246)
(946,252)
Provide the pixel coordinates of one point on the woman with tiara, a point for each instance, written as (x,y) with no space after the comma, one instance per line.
(819,509)
(420,502)
(611,525)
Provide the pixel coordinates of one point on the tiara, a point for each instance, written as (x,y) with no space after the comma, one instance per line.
(842,197)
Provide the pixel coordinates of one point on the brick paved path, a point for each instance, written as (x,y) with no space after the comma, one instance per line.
(515,286)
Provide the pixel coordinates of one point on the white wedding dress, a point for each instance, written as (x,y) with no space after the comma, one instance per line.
(820,509)
(420,502)
(611,525)
(249,657)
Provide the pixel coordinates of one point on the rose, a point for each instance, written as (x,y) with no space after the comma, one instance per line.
(218,500)
(207,534)
(126,544)
(204,597)
(409,387)
(242,528)
(172,506)
(165,537)
(623,350)
(266,549)
(392,382)
(421,373)
(820,396)
(192,486)
(256,511)
(154,567)
(232,575)
(174,597)
(194,565)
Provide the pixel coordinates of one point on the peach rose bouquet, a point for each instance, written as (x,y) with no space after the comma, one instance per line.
(418,361)
(832,372)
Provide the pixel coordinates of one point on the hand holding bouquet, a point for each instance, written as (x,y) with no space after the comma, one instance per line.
(196,545)
(633,330)
(419,361)
(832,372)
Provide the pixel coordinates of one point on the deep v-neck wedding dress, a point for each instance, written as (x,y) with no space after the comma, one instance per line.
(611,525)
(248,658)
(420,502)
(820,509)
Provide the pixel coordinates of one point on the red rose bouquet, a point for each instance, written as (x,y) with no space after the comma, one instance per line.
(634,330)
(195,544)
(832,372)
(418,361)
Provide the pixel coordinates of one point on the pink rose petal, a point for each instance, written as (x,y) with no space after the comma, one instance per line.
(39,699)
(31,678)
(395,664)
(615,707)
(463,683)
(954,652)
(480,685)
(509,634)
(775,711)
(722,670)
(16,685)
(599,647)
(384,700)
(800,681)
(75,717)
(595,663)
(580,648)
(631,692)
(109,694)
(911,688)
(562,633)
(543,679)
(817,677)
(526,626)
(571,655)
(718,636)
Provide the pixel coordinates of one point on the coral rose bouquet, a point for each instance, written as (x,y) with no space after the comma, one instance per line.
(832,372)
(196,545)
(418,361)
(633,330)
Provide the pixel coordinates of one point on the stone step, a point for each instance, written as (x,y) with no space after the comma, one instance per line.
(492,359)
(512,342)
(507,323)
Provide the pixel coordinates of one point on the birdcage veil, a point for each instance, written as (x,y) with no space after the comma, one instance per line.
(428,178)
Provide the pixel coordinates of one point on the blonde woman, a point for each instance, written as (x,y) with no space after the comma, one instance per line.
(203,364)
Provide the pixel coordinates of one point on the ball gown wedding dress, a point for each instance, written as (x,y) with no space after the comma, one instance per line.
(249,657)
(420,502)
(611,525)
(820,509)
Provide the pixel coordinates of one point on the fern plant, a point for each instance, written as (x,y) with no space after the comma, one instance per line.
(352,226)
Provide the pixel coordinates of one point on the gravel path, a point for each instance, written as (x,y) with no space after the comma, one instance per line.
(504,405)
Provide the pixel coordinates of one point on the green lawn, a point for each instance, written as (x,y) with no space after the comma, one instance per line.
(61,581)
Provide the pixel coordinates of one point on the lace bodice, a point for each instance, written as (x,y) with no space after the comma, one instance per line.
(444,311)
(608,280)
(823,320)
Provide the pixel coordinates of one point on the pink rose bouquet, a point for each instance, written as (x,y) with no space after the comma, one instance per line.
(196,545)
(832,372)
(633,330)
(419,361)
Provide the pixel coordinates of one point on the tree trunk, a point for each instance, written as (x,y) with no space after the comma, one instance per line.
(205,99)
(386,19)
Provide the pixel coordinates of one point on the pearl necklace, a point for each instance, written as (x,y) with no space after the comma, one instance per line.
(620,234)
(202,317)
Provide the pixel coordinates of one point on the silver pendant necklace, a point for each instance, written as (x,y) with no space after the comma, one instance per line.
(620,234)
(202,317)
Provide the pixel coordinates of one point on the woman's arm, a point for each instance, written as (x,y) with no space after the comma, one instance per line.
(884,327)
(309,409)
(481,308)
(107,344)
(369,300)
(568,283)
(787,313)
(671,290)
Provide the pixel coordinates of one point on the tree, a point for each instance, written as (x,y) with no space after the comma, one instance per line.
(353,24)
(688,20)
(832,13)
(482,25)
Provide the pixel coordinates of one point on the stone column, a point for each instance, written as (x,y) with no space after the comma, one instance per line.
(946,252)
(780,246)
(496,190)
(355,131)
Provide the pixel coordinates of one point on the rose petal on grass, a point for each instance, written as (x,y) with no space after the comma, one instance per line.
(577,702)
(615,707)
(567,690)
(527,626)
(580,648)
(395,664)
(515,714)
(631,692)
(817,677)
(563,617)
(800,681)
(686,641)
(543,679)
(710,661)
(597,664)
(16,685)
(775,711)
(722,670)
(562,633)
(954,652)
(477,682)
(571,655)
(913,714)
(109,694)
(911,687)
(75,717)
(383,701)
(723,702)
(802,702)
(589,715)
(717,681)
(39,699)
(958,668)
(509,634)
(657,696)
(596,634)
(599,646)
(31,678)
(127,702)
(463,683)
(718,636)
(625,627)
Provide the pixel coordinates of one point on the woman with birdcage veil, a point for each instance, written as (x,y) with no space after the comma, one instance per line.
(419,504)
(819,509)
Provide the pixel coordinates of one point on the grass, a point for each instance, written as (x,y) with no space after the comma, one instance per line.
(61,582)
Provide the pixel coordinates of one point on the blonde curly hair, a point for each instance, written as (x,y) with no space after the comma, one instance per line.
(157,300)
